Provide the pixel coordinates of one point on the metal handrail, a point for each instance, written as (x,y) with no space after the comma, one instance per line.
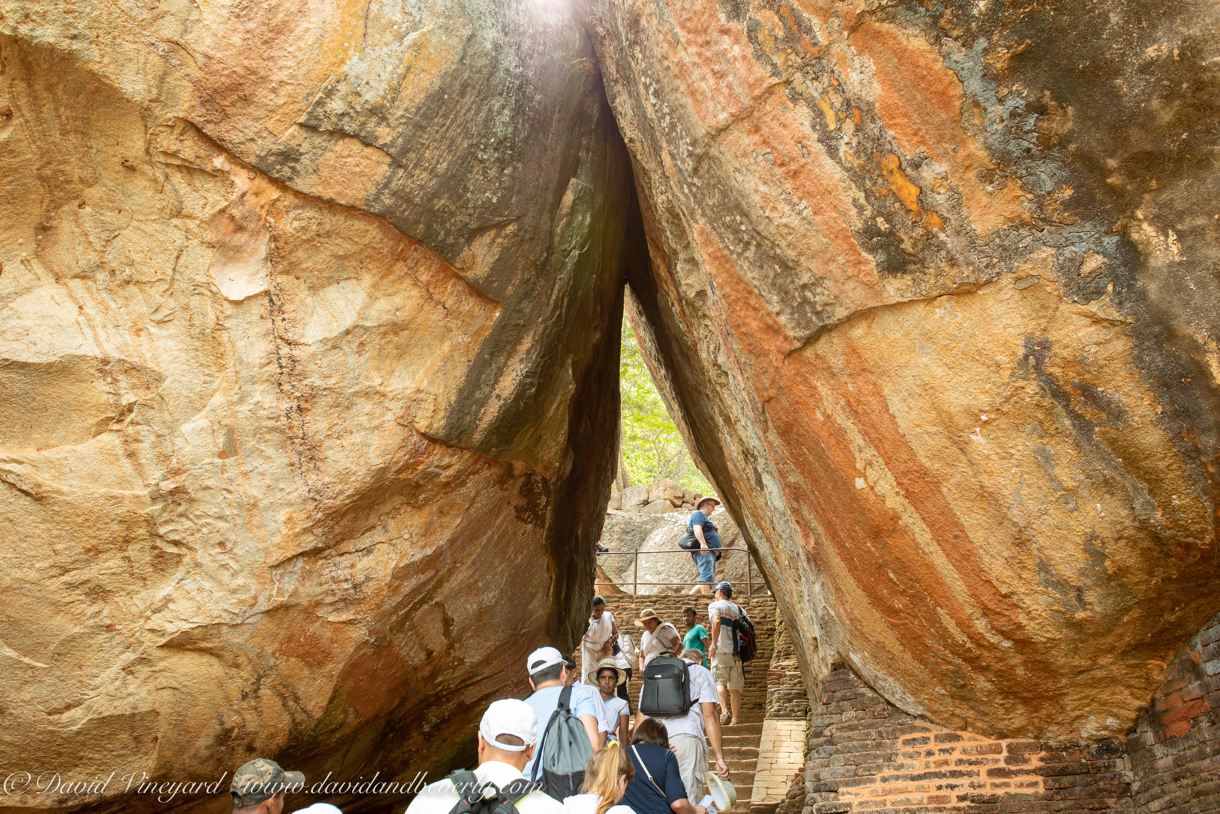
(635,567)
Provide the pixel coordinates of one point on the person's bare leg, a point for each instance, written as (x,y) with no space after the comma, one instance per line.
(723,699)
(702,588)
(735,698)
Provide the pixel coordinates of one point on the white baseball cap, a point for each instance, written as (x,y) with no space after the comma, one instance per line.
(508,716)
(543,658)
(319,808)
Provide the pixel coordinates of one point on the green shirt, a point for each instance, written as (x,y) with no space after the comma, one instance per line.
(695,639)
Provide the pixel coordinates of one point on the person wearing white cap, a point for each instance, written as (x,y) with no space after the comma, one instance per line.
(508,734)
(548,673)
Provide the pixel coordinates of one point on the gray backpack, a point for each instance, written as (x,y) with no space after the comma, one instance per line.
(564,751)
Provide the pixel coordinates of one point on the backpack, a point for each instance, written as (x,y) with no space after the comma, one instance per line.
(564,751)
(666,691)
(486,798)
(745,642)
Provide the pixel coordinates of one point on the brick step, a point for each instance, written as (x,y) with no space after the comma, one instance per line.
(763,808)
(739,777)
(744,793)
(741,753)
(740,740)
(739,765)
(730,730)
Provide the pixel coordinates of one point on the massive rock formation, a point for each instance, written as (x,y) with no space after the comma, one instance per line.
(933,291)
(306,311)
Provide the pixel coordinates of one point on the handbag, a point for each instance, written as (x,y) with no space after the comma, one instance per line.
(688,541)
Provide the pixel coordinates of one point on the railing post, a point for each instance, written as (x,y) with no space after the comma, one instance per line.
(635,573)
(749,574)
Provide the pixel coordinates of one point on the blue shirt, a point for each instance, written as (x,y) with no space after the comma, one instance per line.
(709,529)
(641,795)
(545,702)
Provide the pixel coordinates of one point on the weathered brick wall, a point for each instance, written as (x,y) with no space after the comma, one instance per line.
(786,696)
(866,755)
(1175,750)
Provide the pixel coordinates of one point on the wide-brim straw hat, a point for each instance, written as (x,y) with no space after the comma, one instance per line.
(705,499)
(609,664)
(722,791)
(645,615)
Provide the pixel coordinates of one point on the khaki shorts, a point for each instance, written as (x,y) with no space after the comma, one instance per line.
(727,672)
(691,752)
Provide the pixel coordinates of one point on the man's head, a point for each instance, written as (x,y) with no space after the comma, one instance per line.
(572,675)
(258,787)
(546,668)
(724,591)
(508,732)
(707,505)
(693,655)
(599,606)
(688,616)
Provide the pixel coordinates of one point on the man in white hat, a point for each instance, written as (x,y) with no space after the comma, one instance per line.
(507,737)
(548,672)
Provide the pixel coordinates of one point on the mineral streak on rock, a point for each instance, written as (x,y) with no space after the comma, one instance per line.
(309,322)
(933,292)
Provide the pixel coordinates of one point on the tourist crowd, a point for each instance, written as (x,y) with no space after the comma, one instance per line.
(572,746)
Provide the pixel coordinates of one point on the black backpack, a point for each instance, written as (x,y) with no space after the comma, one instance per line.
(487,798)
(564,751)
(745,642)
(666,691)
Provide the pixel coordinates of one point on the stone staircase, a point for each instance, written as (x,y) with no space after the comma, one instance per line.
(741,742)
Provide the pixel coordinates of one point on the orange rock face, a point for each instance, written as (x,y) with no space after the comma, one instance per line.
(932,291)
(305,312)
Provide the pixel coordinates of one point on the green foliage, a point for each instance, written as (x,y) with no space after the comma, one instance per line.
(653,448)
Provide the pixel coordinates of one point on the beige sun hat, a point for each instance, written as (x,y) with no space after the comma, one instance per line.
(722,791)
(645,615)
(609,664)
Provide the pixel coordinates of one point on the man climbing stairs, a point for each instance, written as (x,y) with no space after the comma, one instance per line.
(741,742)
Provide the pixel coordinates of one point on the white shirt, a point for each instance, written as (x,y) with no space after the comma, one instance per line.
(626,650)
(587,804)
(702,691)
(728,611)
(615,708)
(599,632)
(440,797)
(651,644)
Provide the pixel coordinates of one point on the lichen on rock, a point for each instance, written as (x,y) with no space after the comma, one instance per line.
(919,292)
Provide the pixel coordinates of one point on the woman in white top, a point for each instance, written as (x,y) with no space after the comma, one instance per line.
(658,637)
(601,632)
(609,679)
